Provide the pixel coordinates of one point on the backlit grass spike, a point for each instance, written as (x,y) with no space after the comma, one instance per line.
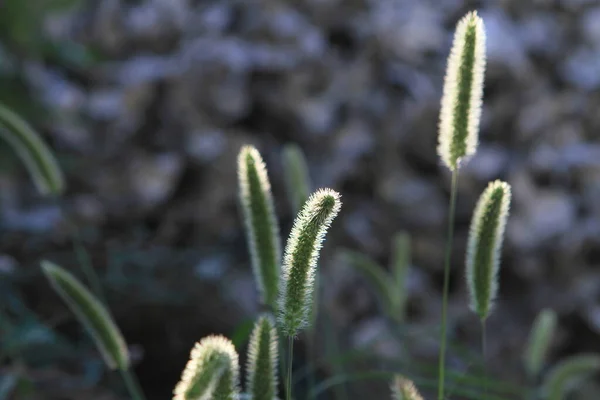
(33,151)
(485,243)
(463,92)
(212,373)
(91,313)
(540,339)
(262,360)
(300,260)
(262,230)
(404,389)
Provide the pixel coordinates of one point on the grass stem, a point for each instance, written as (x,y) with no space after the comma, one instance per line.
(289,367)
(452,208)
(132,385)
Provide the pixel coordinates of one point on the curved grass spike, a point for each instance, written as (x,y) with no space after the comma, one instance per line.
(300,260)
(34,153)
(212,373)
(262,360)
(262,230)
(404,389)
(463,91)
(540,338)
(91,313)
(297,180)
(485,242)
(565,376)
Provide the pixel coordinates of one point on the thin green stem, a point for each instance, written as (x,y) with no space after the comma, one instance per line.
(289,371)
(452,208)
(133,386)
(484,352)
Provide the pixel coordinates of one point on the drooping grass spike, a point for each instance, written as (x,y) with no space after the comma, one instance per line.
(404,389)
(262,230)
(539,342)
(485,243)
(91,313)
(297,180)
(463,91)
(567,374)
(300,260)
(262,360)
(212,373)
(33,151)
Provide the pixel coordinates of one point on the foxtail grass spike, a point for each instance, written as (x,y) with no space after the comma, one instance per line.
(463,91)
(485,243)
(540,339)
(262,229)
(262,360)
(91,313)
(212,373)
(404,389)
(568,374)
(296,176)
(33,151)
(300,260)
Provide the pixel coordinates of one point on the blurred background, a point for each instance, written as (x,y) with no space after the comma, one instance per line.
(146,104)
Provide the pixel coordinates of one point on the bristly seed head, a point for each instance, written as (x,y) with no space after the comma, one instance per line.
(404,389)
(262,230)
(211,373)
(463,91)
(300,260)
(485,243)
(262,360)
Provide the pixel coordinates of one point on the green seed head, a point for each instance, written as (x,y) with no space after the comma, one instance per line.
(300,260)
(540,338)
(404,389)
(261,225)
(463,90)
(91,313)
(566,375)
(212,373)
(296,176)
(33,151)
(485,242)
(262,360)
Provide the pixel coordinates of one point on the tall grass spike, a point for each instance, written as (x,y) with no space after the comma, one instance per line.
(262,360)
(540,339)
(33,151)
(485,243)
(300,260)
(262,229)
(91,313)
(212,373)
(404,389)
(463,91)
